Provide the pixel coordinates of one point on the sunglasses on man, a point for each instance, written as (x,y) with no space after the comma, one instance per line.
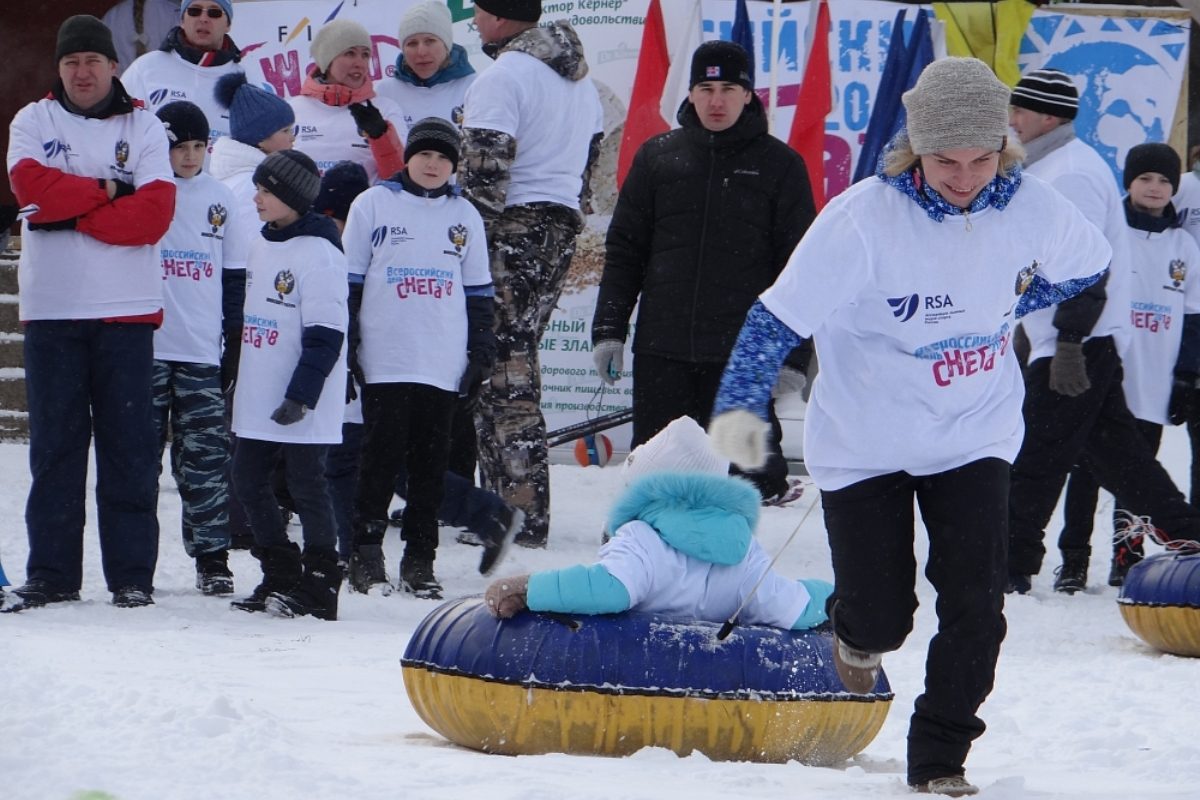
(213,13)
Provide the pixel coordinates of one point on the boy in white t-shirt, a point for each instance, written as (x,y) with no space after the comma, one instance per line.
(1162,364)
(422,295)
(204,283)
(285,409)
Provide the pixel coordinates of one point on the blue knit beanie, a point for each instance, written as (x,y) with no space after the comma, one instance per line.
(226,6)
(254,114)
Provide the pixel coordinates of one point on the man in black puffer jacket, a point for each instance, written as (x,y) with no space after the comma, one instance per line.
(705,221)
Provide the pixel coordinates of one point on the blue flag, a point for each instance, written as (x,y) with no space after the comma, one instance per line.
(741,33)
(900,71)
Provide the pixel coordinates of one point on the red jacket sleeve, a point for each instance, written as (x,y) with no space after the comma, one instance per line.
(138,219)
(388,152)
(58,194)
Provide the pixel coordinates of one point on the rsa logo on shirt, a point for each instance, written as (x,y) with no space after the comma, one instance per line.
(158,97)
(55,148)
(398,235)
(937,307)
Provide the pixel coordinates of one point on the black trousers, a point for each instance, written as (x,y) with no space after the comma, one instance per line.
(871,533)
(407,429)
(1096,430)
(1082,492)
(665,389)
(254,462)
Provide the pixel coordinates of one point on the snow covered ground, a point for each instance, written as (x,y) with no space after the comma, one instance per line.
(188,699)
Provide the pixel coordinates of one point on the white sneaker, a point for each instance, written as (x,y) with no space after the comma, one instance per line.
(951,786)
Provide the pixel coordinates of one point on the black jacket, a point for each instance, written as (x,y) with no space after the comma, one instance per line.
(704,223)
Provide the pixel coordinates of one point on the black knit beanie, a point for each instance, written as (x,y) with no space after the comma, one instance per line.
(1047,91)
(721,61)
(436,134)
(83,33)
(340,184)
(521,10)
(184,121)
(1153,157)
(292,177)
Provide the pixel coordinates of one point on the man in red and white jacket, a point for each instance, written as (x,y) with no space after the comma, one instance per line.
(96,166)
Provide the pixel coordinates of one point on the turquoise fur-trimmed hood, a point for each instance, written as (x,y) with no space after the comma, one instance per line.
(708,517)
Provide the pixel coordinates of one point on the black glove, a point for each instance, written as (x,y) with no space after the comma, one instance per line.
(229,360)
(356,375)
(123,190)
(289,412)
(351,387)
(470,385)
(1068,369)
(61,225)
(1183,399)
(369,120)
(8,215)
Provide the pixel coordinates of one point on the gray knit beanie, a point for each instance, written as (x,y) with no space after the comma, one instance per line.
(335,38)
(957,103)
(292,177)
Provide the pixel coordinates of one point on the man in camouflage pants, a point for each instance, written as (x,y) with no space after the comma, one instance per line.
(531,132)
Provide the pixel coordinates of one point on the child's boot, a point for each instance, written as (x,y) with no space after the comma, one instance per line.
(281,570)
(316,593)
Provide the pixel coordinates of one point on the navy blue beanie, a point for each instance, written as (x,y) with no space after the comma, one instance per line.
(254,114)
(341,183)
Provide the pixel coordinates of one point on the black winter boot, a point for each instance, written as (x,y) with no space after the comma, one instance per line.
(367,567)
(496,536)
(417,578)
(281,571)
(213,577)
(1071,577)
(316,593)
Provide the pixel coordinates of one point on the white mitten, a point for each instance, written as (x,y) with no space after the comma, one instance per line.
(741,437)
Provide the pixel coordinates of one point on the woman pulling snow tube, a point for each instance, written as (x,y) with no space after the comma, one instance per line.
(1160,601)
(613,684)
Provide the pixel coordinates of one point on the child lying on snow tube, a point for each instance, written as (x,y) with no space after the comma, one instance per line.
(684,548)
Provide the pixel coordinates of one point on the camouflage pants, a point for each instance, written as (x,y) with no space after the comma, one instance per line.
(530,249)
(190,409)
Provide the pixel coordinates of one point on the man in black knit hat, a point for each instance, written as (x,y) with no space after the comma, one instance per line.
(705,221)
(1075,410)
(98,172)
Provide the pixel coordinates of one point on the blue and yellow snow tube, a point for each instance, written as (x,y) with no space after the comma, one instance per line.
(1160,602)
(611,685)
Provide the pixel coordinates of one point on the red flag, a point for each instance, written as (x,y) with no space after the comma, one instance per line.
(645,118)
(807,136)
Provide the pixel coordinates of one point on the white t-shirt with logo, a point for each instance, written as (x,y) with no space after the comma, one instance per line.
(913,320)
(290,286)
(417,255)
(1082,176)
(1165,281)
(327,134)
(68,274)
(443,100)
(162,77)
(552,118)
(207,236)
